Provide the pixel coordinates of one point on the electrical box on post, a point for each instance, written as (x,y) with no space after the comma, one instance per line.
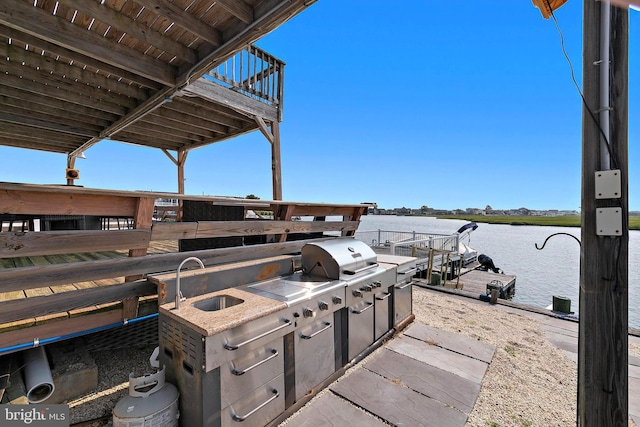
(609,221)
(608,184)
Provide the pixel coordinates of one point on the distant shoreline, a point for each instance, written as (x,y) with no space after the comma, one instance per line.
(551,221)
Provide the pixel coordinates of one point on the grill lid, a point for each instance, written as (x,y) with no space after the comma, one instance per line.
(337,259)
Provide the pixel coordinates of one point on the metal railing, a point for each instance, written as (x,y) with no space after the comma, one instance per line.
(253,72)
(409,243)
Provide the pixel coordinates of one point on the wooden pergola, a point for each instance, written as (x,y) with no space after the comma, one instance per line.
(169,74)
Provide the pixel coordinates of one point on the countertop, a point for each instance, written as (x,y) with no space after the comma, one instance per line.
(209,323)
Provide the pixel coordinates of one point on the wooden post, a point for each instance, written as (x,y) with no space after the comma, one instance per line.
(182,158)
(143,219)
(603,333)
(275,161)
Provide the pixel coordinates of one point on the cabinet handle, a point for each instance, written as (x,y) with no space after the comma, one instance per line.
(308,337)
(274,353)
(387,295)
(241,418)
(402,287)
(287,322)
(363,310)
(409,271)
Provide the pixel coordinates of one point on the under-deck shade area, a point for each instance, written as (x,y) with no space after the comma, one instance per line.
(170,74)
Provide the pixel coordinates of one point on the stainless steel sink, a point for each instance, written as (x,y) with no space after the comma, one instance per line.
(219,302)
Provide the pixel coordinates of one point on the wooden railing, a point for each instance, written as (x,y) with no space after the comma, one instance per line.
(57,274)
(254,73)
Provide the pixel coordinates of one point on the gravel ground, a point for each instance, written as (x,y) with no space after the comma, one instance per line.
(530,382)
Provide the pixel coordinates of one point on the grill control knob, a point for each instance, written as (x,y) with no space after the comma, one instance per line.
(366,288)
(377,284)
(357,293)
(307,312)
(336,299)
(323,305)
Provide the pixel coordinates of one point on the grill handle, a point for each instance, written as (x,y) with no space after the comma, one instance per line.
(363,310)
(404,286)
(308,337)
(360,270)
(287,322)
(410,271)
(274,353)
(387,295)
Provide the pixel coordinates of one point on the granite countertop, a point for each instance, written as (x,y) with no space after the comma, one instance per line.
(209,323)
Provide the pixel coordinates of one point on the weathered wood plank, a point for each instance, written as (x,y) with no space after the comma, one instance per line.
(394,403)
(447,360)
(54,328)
(252,228)
(330,410)
(126,25)
(61,274)
(475,349)
(220,94)
(38,306)
(22,244)
(47,203)
(23,17)
(448,388)
(174,230)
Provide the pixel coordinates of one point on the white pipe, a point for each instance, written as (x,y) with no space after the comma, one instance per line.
(605,24)
(37,376)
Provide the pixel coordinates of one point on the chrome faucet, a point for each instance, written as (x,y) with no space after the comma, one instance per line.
(179,296)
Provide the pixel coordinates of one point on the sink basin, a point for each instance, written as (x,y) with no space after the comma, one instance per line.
(218,302)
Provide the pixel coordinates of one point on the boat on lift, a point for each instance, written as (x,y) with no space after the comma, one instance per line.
(468,255)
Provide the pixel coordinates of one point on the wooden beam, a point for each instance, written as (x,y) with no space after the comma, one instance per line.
(41,24)
(13,279)
(276,163)
(79,58)
(59,68)
(122,23)
(237,101)
(142,220)
(62,94)
(58,327)
(265,130)
(55,107)
(19,244)
(36,123)
(46,203)
(238,8)
(11,311)
(183,19)
(604,259)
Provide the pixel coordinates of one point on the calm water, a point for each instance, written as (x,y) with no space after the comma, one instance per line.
(555,270)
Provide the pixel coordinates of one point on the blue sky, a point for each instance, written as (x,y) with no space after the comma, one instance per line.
(405,103)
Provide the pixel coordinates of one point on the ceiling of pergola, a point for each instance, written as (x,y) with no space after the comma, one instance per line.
(75,72)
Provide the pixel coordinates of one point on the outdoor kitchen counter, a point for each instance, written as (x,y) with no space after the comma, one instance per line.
(208,323)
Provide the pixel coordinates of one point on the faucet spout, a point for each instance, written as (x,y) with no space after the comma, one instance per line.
(179,296)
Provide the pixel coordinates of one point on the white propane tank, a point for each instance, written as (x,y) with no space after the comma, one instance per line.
(151,402)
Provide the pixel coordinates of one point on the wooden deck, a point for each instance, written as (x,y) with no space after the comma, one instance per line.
(422,377)
(60,281)
(474,282)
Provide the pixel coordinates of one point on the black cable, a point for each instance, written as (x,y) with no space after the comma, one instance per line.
(575,82)
(555,234)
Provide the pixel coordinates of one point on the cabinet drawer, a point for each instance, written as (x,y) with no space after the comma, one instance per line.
(249,370)
(258,407)
(228,345)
